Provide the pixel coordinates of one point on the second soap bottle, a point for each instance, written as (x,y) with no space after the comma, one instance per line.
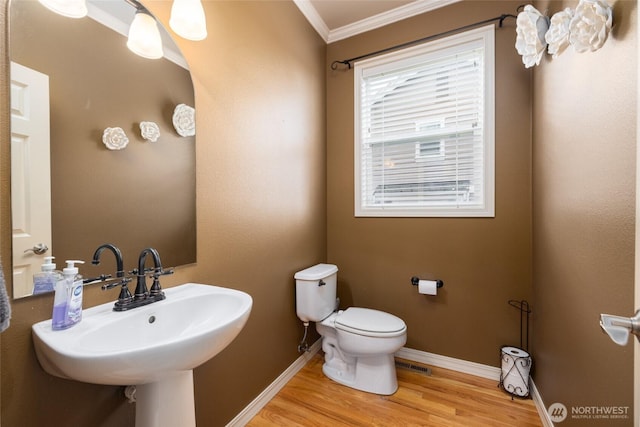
(67,302)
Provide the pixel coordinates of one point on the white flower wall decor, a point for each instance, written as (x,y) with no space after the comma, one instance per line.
(586,29)
(558,35)
(150,131)
(531,27)
(184,120)
(590,25)
(115,138)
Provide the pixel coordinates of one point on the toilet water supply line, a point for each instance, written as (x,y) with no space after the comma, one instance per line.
(303,347)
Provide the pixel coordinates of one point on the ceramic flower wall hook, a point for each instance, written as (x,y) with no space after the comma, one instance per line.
(149,131)
(115,138)
(184,120)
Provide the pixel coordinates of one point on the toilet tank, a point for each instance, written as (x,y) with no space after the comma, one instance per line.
(316,292)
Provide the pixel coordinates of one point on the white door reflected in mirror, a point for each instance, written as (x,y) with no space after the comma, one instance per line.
(30,174)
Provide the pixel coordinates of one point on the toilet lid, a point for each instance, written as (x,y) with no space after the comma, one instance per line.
(365,321)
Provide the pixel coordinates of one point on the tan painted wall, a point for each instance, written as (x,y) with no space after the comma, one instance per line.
(584,208)
(260,99)
(483,262)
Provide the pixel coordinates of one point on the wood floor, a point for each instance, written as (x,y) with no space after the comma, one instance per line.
(445,398)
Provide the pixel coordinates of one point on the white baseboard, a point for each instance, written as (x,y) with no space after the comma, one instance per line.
(263,398)
(542,410)
(459,365)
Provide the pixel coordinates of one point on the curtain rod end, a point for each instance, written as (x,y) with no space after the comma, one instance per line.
(334,64)
(505,16)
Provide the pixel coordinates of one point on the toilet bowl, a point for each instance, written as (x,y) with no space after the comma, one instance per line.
(358,343)
(362,358)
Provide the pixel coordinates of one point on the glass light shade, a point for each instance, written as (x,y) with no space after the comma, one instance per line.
(68,8)
(188,20)
(144,36)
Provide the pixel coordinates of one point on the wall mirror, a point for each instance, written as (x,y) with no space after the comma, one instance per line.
(70,80)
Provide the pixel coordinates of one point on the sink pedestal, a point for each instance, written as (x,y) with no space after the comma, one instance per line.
(167,402)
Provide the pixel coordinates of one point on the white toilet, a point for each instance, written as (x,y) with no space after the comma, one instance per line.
(359,343)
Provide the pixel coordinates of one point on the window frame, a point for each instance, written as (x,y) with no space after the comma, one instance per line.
(486,35)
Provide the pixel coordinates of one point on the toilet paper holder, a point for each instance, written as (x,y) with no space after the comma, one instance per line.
(415,280)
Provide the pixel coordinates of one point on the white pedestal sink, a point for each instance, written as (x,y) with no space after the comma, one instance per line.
(155,347)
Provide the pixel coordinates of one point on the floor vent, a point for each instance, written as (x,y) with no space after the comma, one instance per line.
(417,368)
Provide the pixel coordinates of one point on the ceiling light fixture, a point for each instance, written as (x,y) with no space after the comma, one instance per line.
(68,8)
(144,35)
(188,19)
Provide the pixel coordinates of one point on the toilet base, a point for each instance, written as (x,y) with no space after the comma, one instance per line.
(376,374)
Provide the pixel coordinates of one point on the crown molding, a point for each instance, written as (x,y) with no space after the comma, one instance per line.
(380,20)
(314,18)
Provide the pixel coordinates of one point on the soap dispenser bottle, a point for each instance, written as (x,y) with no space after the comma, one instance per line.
(45,281)
(67,302)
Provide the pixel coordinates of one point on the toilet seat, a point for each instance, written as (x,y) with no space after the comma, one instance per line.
(369,322)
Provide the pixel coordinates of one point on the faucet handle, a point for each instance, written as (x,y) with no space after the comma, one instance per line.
(156,289)
(100,278)
(162,272)
(109,285)
(125,298)
(120,281)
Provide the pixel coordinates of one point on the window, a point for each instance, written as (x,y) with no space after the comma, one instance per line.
(424,143)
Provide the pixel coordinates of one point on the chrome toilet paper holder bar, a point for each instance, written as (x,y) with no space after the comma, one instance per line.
(415,280)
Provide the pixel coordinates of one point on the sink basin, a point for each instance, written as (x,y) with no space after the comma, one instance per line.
(155,347)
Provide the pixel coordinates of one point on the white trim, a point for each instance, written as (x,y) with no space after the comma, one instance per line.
(314,18)
(269,393)
(466,41)
(385,18)
(542,410)
(380,20)
(459,365)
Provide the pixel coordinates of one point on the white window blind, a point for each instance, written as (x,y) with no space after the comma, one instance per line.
(424,129)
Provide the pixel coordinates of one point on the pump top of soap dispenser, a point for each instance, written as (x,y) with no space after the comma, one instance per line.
(48,264)
(71,269)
